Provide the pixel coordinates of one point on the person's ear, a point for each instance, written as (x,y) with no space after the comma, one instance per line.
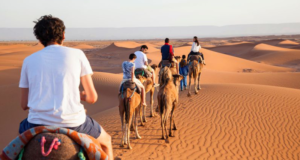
(64,36)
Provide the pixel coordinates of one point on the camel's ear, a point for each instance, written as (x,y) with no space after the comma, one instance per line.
(180,77)
(177,57)
(154,66)
(144,79)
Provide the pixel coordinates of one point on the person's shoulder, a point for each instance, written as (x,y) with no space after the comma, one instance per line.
(70,49)
(34,55)
(137,52)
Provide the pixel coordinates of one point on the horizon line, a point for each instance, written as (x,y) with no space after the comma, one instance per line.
(165,26)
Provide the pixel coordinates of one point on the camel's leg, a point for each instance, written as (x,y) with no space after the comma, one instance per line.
(141,114)
(174,125)
(136,125)
(128,130)
(173,116)
(144,111)
(126,133)
(122,116)
(190,80)
(152,114)
(165,123)
(199,87)
(123,129)
(195,83)
(171,120)
(162,125)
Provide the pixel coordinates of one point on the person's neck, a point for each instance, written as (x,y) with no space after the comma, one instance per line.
(131,61)
(53,43)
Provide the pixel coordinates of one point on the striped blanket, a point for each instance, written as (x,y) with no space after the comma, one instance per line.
(88,143)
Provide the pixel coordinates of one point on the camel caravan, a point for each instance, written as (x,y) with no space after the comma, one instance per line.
(139,79)
(57,126)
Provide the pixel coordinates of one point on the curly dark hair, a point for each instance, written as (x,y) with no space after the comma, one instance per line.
(49,29)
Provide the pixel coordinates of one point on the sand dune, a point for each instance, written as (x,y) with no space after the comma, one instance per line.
(6,49)
(263,53)
(236,50)
(222,122)
(272,42)
(127,44)
(107,86)
(83,46)
(236,115)
(280,79)
(275,55)
(288,42)
(135,45)
(109,59)
(222,62)
(13,56)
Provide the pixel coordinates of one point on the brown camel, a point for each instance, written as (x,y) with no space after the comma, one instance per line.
(149,87)
(129,107)
(167,100)
(68,149)
(195,69)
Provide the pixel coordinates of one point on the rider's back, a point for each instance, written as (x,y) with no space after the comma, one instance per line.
(165,51)
(53,78)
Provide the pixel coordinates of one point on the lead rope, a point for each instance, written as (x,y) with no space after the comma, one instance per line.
(81,154)
(21,154)
(55,143)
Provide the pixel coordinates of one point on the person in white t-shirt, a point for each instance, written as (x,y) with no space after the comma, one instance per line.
(49,83)
(142,62)
(195,49)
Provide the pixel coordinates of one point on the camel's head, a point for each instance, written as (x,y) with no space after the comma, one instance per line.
(177,58)
(177,79)
(165,74)
(154,66)
(141,78)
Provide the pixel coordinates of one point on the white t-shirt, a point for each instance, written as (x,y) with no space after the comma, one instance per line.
(53,78)
(195,48)
(140,60)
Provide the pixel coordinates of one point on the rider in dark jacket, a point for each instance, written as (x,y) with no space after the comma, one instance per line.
(167,53)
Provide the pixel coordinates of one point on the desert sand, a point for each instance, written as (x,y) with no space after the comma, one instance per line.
(248,107)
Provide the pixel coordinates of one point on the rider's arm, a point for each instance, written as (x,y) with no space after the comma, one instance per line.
(89,94)
(171,51)
(132,73)
(24,98)
(193,46)
(145,60)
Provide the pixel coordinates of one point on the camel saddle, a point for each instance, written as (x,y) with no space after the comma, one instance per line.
(196,58)
(131,85)
(142,72)
(167,63)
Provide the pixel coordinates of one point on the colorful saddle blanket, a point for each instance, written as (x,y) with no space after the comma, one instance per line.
(90,145)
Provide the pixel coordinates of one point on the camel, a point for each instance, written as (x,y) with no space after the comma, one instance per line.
(149,87)
(195,70)
(129,107)
(68,149)
(167,100)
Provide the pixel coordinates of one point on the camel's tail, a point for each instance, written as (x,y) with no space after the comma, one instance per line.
(193,70)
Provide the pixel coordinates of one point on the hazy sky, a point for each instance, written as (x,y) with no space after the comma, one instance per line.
(148,13)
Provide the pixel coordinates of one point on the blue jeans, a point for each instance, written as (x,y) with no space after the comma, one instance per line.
(183,82)
(90,127)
